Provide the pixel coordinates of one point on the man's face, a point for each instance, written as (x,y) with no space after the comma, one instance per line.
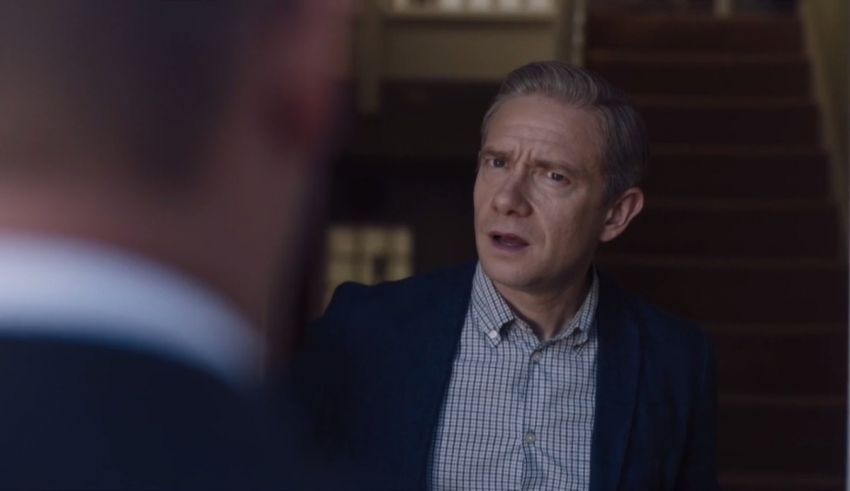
(539,195)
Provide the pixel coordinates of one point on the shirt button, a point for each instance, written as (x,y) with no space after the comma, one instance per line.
(530,437)
(536,356)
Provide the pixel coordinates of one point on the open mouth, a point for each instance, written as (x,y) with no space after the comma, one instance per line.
(508,241)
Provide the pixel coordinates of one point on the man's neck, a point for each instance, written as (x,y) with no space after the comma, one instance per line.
(85,290)
(547,311)
(168,232)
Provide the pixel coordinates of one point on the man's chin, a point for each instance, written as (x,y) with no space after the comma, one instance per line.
(513,276)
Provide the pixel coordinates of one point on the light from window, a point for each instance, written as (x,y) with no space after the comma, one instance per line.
(367,254)
(475,5)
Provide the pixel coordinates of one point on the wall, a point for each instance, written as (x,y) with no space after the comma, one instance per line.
(827,23)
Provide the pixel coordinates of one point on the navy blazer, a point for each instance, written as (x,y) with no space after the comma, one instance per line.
(376,368)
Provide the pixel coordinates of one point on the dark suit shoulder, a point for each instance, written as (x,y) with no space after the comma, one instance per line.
(105,416)
(396,300)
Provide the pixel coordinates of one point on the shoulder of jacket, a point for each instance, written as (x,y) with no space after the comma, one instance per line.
(352,300)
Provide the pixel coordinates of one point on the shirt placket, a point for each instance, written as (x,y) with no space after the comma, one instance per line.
(534,353)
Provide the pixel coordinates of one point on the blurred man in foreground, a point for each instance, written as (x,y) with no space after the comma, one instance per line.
(154,156)
(528,369)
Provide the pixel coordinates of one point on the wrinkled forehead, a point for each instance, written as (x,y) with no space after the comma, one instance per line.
(545,127)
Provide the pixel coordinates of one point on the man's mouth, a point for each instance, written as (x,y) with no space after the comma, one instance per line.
(508,241)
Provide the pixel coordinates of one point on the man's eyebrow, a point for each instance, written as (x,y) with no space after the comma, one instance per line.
(492,152)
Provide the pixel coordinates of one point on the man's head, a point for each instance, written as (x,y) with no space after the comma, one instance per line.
(184,130)
(562,154)
(624,146)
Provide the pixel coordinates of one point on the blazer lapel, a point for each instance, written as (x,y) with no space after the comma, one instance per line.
(617,374)
(437,330)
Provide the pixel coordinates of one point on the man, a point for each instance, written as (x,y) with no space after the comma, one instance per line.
(154,159)
(529,369)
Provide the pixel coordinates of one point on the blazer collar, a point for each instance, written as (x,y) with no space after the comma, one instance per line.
(618,367)
(437,327)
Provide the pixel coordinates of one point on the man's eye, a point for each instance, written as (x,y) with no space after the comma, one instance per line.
(557,177)
(498,162)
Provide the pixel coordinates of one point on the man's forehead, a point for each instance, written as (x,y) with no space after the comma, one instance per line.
(543,125)
(516,132)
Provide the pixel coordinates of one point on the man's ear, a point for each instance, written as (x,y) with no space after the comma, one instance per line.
(621,213)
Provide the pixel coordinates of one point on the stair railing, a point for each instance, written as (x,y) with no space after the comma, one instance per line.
(573,22)
(826,27)
(724,8)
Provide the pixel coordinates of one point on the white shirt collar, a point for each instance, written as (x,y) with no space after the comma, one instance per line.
(78,290)
(491,311)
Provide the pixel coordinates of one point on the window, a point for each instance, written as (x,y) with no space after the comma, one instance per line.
(367,254)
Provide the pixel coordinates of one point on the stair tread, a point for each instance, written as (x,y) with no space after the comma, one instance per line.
(739,205)
(782,480)
(689,32)
(611,55)
(775,328)
(802,438)
(723,263)
(709,102)
(766,361)
(603,14)
(740,289)
(826,401)
(725,150)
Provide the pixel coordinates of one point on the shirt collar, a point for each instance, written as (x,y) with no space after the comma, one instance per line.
(72,289)
(491,313)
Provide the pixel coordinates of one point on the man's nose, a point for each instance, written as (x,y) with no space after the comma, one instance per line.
(510,197)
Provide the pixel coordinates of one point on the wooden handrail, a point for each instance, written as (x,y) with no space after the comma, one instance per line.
(577,15)
(826,28)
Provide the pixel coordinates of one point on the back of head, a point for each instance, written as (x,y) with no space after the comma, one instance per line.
(183,130)
(625,143)
(95,78)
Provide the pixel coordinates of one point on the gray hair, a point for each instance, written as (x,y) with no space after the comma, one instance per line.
(624,143)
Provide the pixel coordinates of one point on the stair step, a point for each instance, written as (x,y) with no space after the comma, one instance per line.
(798,435)
(729,122)
(689,228)
(681,33)
(704,73)
(736,173)
(780,481)
(710,58)
(710,101)
(730,290)
(444,119)
(765,358)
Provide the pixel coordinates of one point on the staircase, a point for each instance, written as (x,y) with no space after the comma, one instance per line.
(740,231)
